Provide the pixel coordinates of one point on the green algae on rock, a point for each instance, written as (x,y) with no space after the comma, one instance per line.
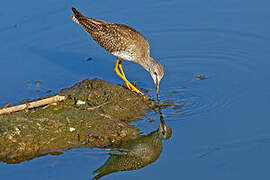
(95,113)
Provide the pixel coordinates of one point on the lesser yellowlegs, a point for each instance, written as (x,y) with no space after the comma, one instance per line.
(137,152)
(125,43)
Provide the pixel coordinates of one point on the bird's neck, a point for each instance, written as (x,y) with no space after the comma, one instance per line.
(147,63)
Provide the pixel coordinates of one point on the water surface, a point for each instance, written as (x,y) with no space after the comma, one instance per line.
(222,131)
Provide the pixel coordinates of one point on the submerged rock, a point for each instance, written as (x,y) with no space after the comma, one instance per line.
(95,113)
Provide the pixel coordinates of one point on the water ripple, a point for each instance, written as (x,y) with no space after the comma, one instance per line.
(226,66)
(196,102)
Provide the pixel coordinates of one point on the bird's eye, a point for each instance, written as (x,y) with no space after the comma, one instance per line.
(155,73)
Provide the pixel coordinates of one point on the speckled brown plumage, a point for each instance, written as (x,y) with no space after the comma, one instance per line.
(122,41)
(137,152)
(115,37)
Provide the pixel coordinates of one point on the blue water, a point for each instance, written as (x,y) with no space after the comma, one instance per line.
(222,132)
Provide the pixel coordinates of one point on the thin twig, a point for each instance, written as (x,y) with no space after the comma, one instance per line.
(33,104)
(95,107)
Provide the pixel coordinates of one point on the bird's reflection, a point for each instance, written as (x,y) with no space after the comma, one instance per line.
(136,153)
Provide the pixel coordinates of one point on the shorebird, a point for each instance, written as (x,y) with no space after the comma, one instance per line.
(123,42)
(137,152)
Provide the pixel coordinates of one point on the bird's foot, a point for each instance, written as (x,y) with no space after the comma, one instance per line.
(132,86)
(121,74)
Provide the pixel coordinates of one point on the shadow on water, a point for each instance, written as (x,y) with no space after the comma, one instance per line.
(136,153)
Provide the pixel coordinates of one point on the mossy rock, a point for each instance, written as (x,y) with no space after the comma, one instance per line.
(94,114)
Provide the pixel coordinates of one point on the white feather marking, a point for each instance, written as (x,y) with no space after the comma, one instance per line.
(124,55)
(75,19)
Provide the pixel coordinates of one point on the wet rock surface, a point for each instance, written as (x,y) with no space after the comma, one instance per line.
(95,113)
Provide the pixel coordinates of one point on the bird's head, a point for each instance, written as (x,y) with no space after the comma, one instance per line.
(164,131)
(157,72)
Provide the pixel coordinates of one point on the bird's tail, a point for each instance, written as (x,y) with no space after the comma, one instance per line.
(77,15)
(88,24)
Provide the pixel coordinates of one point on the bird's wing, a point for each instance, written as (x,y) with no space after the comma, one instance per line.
(112,37)
(89,24)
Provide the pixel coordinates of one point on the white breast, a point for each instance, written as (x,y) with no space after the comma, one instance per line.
(124,55)
(128,54)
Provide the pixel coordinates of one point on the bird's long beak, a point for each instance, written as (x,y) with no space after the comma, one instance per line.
(157,86)
(163,128)
(162,122)
(158,98)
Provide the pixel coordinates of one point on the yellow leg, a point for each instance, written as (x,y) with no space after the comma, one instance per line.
(122,72)
(124,78)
